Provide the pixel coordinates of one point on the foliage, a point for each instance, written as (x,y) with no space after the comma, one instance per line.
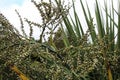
(72,54)
(103,38)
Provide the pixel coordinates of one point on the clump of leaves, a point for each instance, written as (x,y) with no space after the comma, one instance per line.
(38,60)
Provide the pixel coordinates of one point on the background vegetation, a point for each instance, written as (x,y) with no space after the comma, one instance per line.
(71,53)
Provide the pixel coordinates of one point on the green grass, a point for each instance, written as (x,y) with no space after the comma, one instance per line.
(73,53)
